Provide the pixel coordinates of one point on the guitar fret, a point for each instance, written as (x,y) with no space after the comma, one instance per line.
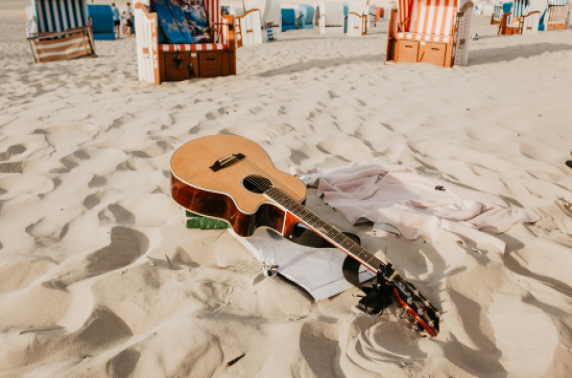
(323,227)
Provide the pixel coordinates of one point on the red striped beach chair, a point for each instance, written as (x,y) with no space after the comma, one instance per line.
(59,30)
(429,31)
(160,62)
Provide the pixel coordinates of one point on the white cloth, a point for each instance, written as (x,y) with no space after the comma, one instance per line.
(383,192)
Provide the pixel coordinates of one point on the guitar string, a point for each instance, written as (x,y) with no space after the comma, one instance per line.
(320,225)
(257,171)
(312,219)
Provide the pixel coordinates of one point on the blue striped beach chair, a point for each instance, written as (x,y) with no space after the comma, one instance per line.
(520,20)
(63,30)
(497,15)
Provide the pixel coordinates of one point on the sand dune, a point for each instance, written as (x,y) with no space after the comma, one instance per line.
(99,277)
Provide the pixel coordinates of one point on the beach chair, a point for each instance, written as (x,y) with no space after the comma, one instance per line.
(523,21)
(557,14)
(59,30)
(332,18)
(306,17)
(31,26)
(288,19)
(102,22)
(370,12)
(422,32)
(357,19)
(379,14)
(497,15)
(169,50)
(260,22)
(248,28)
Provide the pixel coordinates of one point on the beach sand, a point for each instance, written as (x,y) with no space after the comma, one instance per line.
(99,277)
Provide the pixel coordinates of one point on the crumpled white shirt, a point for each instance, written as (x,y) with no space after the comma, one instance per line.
(417,205)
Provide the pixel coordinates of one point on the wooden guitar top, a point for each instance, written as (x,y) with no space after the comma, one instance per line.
(192,163)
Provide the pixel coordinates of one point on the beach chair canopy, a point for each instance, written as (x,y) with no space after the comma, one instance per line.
(180,28)
(101,21)
(288,19)
(335,14)
(59,15)
(427,20)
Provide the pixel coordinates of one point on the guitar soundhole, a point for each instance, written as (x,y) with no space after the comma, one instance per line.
(256,184)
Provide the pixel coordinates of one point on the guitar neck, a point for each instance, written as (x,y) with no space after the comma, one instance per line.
(325,230)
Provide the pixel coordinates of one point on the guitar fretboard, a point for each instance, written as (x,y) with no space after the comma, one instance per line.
(326,230)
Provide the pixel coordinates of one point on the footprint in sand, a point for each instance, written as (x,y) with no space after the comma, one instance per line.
(12,151)
(125,246)
(147,210)
(64,128)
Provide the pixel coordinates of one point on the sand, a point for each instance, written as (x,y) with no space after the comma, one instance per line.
(99,277)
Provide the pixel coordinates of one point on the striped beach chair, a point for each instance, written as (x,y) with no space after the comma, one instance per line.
(497,15)
(160,59)
(429,31)
(557,14)
(62,30)
(521,21)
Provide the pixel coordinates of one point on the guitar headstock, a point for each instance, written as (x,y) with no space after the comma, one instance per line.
(417,310)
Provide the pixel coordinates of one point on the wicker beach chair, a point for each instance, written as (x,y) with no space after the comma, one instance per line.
(101,17)
(59,30)
(332,18)
(521,21)
(306,16)
(422,32)
(166,50)
(557,14)
(357,18)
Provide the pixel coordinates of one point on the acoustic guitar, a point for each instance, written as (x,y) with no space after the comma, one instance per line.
(232,178)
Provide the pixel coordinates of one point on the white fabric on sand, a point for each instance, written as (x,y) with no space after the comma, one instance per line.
(383,192)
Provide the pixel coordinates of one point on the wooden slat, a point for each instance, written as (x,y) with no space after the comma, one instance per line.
(63,57)
(84,44)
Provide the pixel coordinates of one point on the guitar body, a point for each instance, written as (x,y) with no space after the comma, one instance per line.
(232,178)
(224,194)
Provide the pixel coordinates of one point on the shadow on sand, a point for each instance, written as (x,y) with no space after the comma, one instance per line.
(508,53)
(322,64)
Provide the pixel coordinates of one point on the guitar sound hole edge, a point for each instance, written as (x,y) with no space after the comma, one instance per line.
(257,184)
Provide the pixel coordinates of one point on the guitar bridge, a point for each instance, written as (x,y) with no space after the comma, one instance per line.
(226,161)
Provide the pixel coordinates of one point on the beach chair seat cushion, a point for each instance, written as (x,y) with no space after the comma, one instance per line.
(193,47)
(425,37)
